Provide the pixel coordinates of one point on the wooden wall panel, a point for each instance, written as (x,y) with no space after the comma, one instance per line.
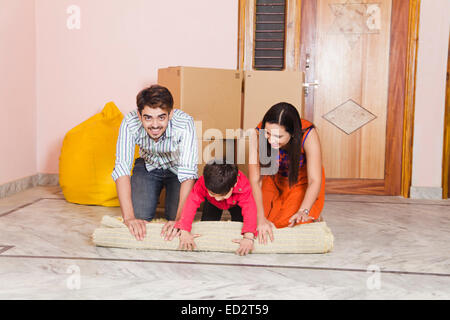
(355,186)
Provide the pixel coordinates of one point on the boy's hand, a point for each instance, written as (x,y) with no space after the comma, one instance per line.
(137,227)
(169,231)
(245,245)
(187,241)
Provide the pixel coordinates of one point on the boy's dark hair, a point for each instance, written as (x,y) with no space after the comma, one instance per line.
(155,96)
(220,176)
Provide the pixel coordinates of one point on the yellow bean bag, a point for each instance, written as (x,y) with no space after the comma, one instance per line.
(87,159)
(217,236)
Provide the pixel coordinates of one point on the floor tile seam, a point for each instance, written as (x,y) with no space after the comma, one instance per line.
(226,264)
(20,207)
(5,248)
(27,204)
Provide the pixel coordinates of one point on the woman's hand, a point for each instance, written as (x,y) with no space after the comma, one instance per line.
(187,241)
(265,226)
(300,216)
(245,245)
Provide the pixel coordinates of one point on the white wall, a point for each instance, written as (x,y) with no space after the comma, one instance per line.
(434,31)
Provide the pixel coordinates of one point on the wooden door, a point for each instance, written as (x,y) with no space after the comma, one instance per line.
(363,55)
(356,51)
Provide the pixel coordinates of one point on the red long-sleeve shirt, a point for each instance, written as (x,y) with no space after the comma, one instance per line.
(241,196)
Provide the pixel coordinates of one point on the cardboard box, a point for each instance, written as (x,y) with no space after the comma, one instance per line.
(263,89)
(208,150)
(213,96)
(215,149)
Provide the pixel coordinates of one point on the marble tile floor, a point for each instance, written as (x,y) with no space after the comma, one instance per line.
(384,248)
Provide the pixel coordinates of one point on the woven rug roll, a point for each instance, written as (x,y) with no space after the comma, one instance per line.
(217,236)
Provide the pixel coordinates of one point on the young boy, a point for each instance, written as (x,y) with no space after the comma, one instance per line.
(222,186)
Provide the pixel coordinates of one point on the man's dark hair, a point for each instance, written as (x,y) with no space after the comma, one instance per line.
(155,96)
(220,176)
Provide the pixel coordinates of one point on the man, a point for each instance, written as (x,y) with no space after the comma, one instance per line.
(168,158)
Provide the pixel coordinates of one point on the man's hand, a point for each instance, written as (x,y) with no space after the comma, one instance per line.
(187,241)
(299,217)
(245,246)
(137,227)
(168,231)
(265,226)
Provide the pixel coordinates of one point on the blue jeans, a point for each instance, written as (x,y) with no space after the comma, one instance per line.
(146,188)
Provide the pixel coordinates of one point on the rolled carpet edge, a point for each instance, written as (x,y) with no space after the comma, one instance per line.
(217,236)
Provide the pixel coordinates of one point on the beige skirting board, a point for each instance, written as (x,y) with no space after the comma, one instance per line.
(217,236)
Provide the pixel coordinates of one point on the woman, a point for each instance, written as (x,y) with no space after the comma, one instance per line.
(296,193)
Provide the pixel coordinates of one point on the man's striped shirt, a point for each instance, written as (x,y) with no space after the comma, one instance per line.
(176,149)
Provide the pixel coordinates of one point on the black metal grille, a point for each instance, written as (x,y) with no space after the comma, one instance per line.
(270,35)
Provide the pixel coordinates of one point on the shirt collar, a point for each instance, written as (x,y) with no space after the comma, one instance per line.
(169,129)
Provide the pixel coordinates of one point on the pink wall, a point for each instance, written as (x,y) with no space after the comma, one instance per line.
(116,52)
(52,78)
(17,90)
(430,93)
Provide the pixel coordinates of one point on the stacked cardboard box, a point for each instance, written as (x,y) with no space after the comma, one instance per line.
(224,99)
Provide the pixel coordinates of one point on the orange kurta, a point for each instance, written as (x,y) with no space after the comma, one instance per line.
(280,201)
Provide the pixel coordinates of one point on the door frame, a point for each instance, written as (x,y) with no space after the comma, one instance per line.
(446,149)
(402,83)
(246,34)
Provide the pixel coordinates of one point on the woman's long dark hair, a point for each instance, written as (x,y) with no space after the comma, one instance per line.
(286,115)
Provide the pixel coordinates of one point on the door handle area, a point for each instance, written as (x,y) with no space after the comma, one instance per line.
(311,84)
(307,85)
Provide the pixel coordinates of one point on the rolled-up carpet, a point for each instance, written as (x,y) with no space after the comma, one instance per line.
(217,236)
